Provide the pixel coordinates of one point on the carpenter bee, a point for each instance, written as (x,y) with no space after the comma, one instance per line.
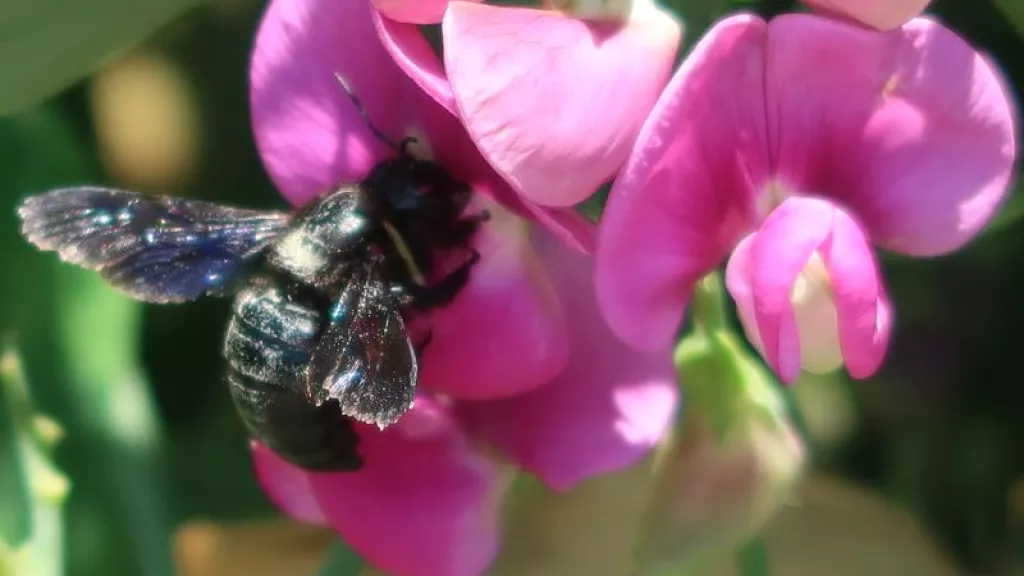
(318,333)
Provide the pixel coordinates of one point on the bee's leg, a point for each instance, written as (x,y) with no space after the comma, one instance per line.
(444,290)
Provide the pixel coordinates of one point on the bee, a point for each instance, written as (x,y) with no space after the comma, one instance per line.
(317,336)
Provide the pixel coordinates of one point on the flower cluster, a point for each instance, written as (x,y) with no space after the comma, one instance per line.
(787,149)
(521,363)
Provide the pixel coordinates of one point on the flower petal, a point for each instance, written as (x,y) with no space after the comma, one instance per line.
(413,11)
(309,134)
(506,332)
(778,253)
(287,486)
(738,274)
(912,130)
(880,14)
(415,56)
(554,102)
(425,504)
(863,308)
(605,411)
(686,195)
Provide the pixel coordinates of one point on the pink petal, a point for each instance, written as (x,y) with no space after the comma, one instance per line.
(425,504)
(413,11)
(506,332)
(309,135)
(417,59)
(686,195)
(778,253)
(287,486)
(912,130)
(880,14)
(554,102)
(605,411)
(738,274)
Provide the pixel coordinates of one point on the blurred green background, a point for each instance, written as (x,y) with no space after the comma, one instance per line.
(151,440)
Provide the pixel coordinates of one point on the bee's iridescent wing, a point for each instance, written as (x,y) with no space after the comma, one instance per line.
(155,248)
(364,358)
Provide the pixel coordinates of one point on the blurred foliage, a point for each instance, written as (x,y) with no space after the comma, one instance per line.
(152,441)
(42,488)
(48,45)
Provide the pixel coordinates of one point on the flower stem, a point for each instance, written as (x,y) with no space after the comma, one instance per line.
(708,304)
(752,558)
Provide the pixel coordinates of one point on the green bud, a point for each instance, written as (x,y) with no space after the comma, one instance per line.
(733,461)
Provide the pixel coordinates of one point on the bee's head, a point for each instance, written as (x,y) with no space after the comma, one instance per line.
(412,187)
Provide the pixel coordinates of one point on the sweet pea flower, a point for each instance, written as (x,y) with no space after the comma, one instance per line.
(552,101)
(880,14)
(520,365)
(796,146)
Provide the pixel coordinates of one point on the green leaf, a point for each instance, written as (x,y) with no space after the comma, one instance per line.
(48,45)
(341,561)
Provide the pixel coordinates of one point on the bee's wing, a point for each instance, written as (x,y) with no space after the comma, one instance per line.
(155,248)
(365,358)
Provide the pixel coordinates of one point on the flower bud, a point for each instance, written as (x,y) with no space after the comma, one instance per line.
(730,466)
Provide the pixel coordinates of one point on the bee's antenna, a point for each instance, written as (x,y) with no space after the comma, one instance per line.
(398,146)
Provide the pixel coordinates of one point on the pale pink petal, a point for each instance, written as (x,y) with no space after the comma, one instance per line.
(863,309)
(686,195)
(780,251)
(287,486)
(554,102)
(912,130)
(606,410)
(880,14)
(506,332)
(413,11)
(425,504)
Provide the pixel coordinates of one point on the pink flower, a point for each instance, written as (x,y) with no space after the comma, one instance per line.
(521,361)
(795,145)
(880,14)
(553,103)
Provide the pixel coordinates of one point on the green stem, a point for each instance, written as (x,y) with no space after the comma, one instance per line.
(42,553)
(708,303)
(752,558)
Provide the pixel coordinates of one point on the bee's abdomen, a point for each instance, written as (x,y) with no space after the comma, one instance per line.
(311,437)
(268,347)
